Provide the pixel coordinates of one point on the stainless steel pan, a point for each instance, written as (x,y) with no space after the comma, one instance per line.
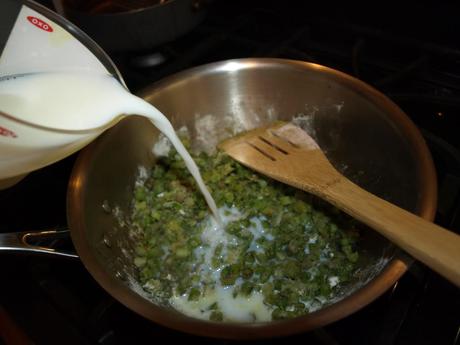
(346,116)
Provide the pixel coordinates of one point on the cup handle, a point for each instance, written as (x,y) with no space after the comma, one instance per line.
(18,242)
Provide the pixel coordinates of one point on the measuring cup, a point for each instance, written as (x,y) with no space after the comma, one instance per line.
(34,39)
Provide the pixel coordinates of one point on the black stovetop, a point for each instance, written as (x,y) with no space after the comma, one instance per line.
(415,62)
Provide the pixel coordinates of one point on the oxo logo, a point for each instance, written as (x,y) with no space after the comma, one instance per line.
(40,24)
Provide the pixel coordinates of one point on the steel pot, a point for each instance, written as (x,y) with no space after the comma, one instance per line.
(137,29)
(345,115)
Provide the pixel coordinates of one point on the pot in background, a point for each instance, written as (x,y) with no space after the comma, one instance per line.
(140,25)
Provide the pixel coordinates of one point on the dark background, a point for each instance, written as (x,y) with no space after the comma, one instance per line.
(411,53)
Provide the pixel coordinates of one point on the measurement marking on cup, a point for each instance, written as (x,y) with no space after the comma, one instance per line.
(7,133)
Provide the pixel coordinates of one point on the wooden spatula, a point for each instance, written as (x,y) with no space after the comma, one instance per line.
(288,154)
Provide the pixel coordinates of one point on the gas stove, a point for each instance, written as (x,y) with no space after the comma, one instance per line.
(416,64)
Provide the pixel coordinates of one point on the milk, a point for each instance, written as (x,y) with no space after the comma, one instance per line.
(234,308)
(61,112)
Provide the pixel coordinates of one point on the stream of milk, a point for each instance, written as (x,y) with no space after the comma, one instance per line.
(71,101)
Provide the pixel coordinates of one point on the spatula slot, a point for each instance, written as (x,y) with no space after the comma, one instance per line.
(283,138)
(273,145)
(261,151)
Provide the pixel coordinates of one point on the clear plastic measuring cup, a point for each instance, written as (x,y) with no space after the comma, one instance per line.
(34,39)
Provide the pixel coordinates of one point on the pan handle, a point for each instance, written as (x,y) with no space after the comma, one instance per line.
(19,242)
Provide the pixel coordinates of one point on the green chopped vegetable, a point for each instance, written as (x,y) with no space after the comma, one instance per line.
(280,242)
